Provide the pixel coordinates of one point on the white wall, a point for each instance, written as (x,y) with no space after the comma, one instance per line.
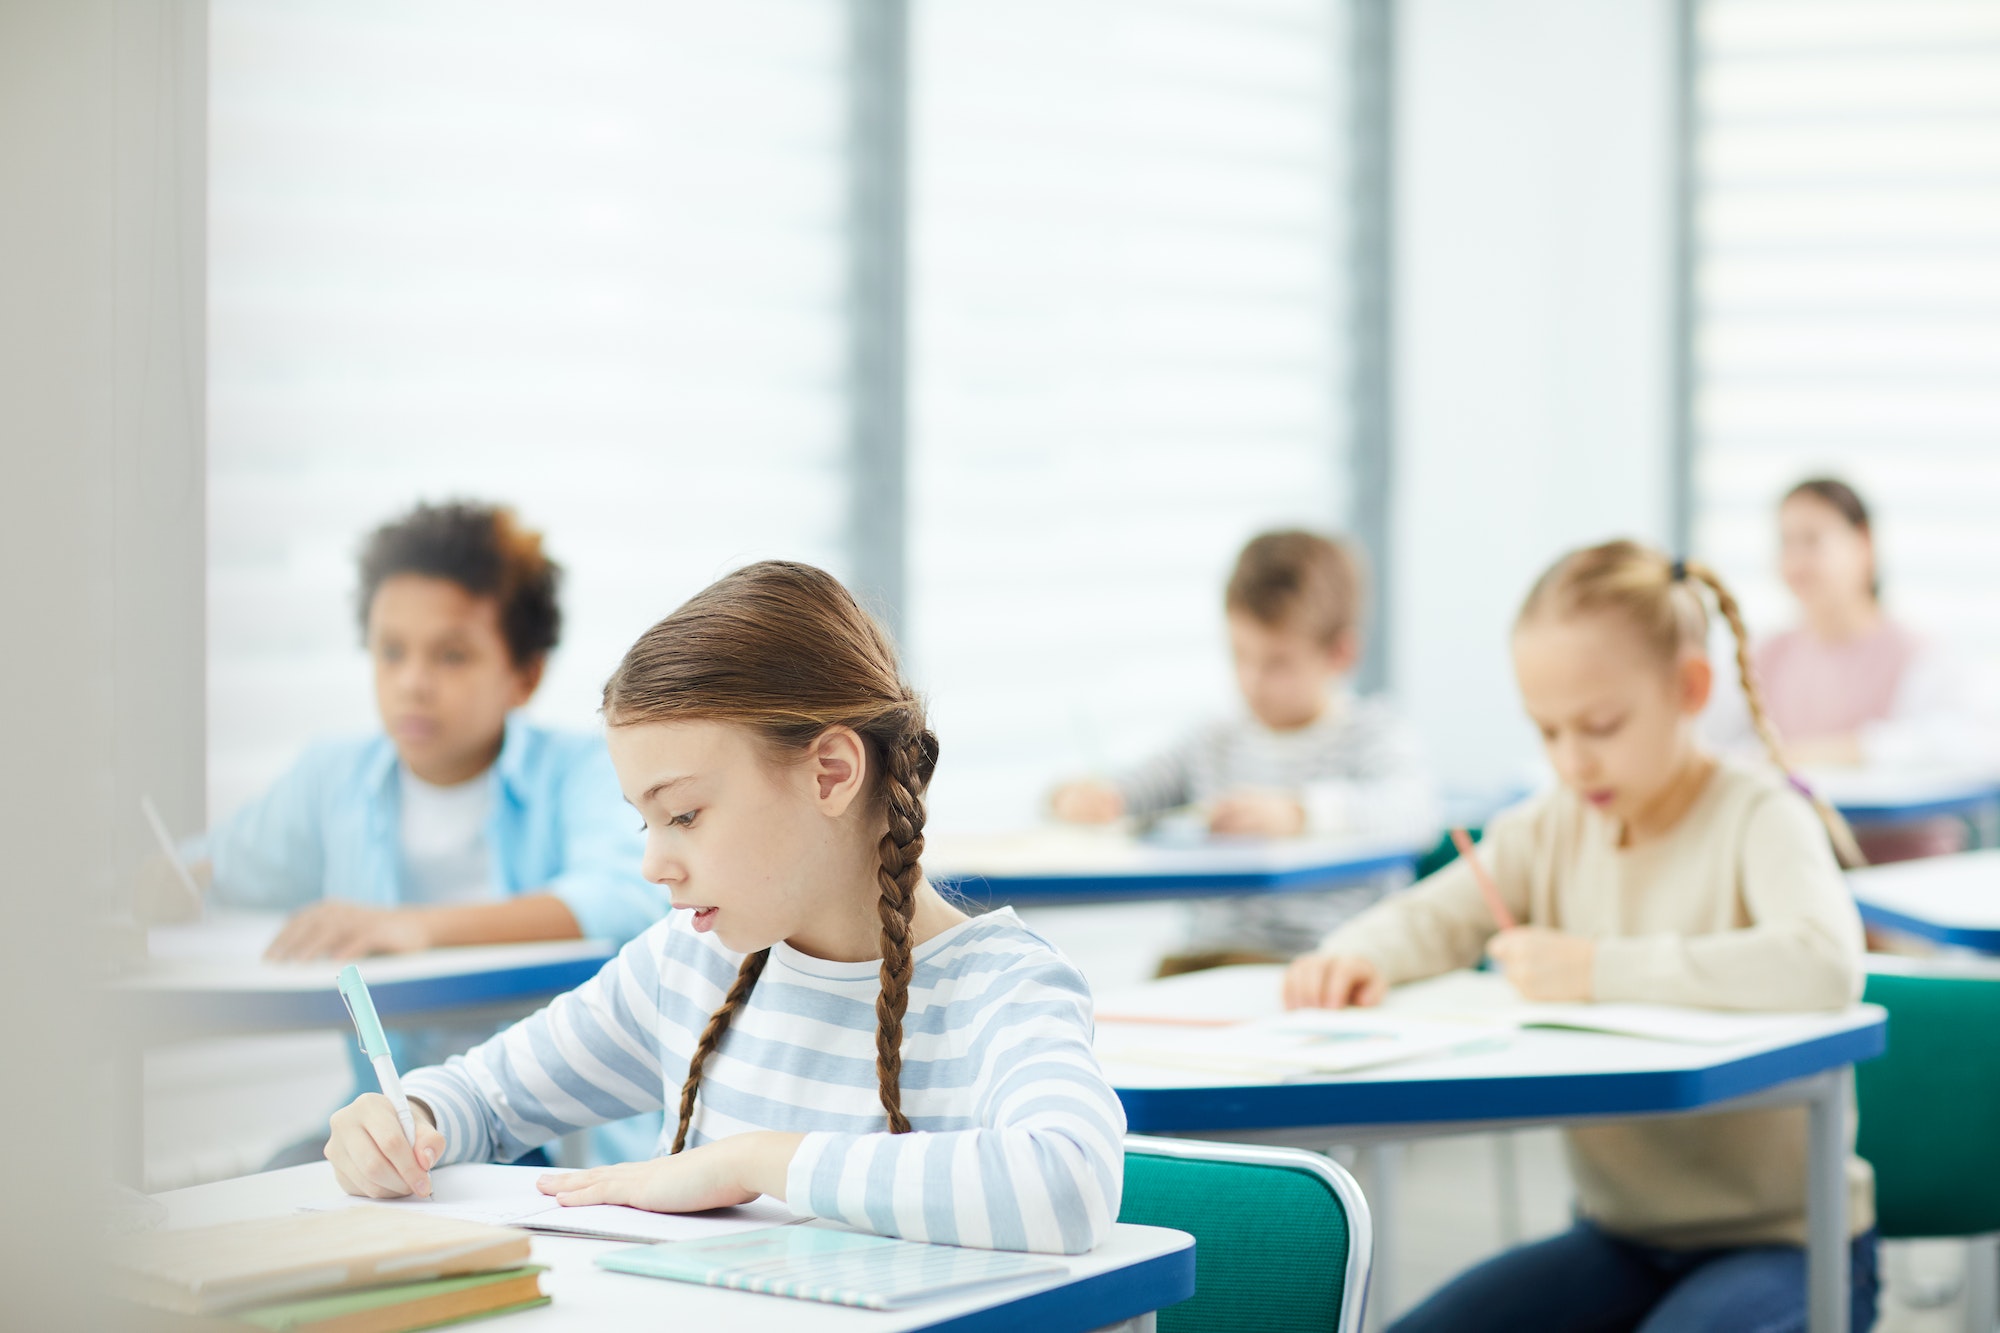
(1533,338)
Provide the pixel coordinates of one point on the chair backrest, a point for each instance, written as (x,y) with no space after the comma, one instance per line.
(1930,1107)
(1282,1237)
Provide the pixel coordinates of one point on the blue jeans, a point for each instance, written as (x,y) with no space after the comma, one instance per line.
(1589,1281)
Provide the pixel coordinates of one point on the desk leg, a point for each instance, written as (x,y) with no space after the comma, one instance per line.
(1138,1323)
(1379,1162)
(1507,1188)
(1982,1284)
(1826,1206)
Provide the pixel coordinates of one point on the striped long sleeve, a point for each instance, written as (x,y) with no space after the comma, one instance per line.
(1358,770)
(1016,1138)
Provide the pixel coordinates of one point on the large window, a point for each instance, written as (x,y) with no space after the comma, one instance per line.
(603,261)
(1847,290)
(1129,284)
(588,259)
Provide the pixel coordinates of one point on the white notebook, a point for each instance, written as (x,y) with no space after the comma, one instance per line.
(839,1267)
(506,1196)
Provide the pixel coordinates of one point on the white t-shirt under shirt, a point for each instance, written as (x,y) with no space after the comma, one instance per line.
(442,838)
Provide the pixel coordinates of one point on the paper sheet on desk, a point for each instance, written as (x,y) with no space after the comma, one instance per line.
(1305,1044)
(1469,997)
(1228,998)
(219,937)
(1216,995)
(506,1196)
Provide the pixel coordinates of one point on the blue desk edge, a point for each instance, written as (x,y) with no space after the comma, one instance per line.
(1172,884)
(1097,1301)
(1964,937)
(1473,1100)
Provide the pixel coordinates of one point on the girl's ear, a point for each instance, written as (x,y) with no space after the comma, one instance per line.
(1695,681)
(837,766)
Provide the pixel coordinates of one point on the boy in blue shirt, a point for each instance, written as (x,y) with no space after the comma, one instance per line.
(461,822)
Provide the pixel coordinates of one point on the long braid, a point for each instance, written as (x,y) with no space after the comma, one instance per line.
(711,1037)
(1844,846)
(906,771)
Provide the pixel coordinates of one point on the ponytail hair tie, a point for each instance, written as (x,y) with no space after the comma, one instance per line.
(1679,571)
(1800,786)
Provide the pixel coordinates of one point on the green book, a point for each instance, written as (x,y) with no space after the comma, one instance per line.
(839,1267)
(406,1305)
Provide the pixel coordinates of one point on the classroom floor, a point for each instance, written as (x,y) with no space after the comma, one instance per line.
(220,1109)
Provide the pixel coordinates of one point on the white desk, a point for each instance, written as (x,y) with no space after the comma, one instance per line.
(208,979)
(1951,900)
(1888,796)
(1098,865)
(1139,1270)
(1536,1078)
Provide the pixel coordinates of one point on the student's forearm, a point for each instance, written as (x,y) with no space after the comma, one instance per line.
(1784,968)
(534,916)
(761,1160)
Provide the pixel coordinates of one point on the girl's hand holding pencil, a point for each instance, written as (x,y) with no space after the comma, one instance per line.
(1546,965)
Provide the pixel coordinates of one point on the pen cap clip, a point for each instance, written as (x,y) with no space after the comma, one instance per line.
(361,1008)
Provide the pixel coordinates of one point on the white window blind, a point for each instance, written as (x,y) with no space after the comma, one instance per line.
(587,259)
(1128,354)
(1847,292)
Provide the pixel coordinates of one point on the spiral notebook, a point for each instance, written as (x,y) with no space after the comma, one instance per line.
(816,1263)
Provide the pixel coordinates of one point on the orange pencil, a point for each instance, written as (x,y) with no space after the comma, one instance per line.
(1487,888)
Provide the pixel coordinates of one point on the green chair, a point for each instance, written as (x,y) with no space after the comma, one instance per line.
(1442,853)
(1930,1111)
(1282,1237)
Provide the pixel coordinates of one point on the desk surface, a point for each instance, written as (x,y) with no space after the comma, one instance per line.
(1895,796)
(1533,1075)
(1138,1270)
(1862,795)
(209,978)
(1078,865)
(1951,900)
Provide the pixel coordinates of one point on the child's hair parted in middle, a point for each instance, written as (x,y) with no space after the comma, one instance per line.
(1658,597)
(1294,578)
(785,651)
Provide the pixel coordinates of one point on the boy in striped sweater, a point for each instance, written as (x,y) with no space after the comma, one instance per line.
(1305,755)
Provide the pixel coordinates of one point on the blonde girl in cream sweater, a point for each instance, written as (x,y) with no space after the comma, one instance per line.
(1653,872)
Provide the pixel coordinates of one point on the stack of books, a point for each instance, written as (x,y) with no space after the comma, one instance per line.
(359,1270)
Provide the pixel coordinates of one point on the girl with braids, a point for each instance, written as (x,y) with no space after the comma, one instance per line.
(821,1025)
(1654,872)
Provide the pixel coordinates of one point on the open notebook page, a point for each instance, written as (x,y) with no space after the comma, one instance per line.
(506,1196)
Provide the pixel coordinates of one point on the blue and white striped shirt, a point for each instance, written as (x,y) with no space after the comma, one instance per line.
(1016,1138)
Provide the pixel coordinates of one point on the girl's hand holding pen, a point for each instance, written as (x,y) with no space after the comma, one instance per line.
(373,1158)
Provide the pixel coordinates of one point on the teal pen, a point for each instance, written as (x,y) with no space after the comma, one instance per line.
(375,1045)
